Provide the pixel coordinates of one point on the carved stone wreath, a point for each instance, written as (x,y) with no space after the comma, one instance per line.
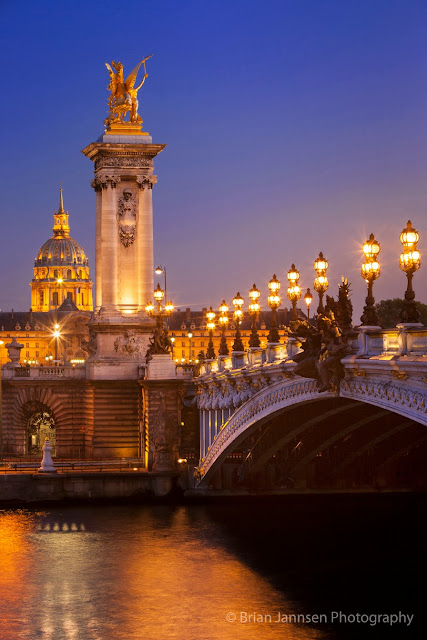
(126,218)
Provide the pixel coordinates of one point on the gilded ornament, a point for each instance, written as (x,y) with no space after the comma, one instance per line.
(123,97)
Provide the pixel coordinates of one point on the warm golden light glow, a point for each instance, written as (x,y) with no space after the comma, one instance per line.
(254,294)
(293,275)
(149,308)
(274,285)
(238,315)
(56,333)
(410,260)
(158,294)
(238,301)
(294,292)
(210,315)
(321,283)
(409,236)
(370,270)
(223,308)
(321,265)
(169,308)
(159,270)
(371,248)
(308,298)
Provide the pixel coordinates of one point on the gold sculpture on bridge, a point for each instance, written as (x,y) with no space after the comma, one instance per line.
(123,99)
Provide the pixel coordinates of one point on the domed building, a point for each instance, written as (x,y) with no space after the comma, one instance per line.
(61,270)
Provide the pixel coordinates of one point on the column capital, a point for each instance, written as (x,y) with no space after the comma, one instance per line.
(146,181)
(102,182)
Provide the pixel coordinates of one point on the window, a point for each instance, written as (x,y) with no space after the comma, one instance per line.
(37,354)
(70,295)
(27,344)
(41,298)
(202,344)
(27,354)
(183,344)
(69,274)
(56,273)
(55,298)
(37,345)
(183,353)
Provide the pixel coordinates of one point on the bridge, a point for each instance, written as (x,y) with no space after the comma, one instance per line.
(257,416)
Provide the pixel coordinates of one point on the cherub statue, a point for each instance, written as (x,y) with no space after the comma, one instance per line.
(123,97)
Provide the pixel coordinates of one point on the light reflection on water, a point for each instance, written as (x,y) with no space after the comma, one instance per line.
(116,573)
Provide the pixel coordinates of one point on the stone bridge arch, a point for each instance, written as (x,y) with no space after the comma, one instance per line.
(404,398)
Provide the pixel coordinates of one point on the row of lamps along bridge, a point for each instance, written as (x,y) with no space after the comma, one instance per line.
(410,261)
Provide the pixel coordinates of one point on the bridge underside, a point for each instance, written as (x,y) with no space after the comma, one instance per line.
(333,443)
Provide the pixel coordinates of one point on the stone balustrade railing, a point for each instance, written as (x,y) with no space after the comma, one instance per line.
(404,340)
(43,372)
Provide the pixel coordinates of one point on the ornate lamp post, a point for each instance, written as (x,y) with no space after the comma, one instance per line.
(160,329)
(370,272)
(273,301)
(238,303)
(223,322)
(56,335)
(254,308)
(308,300)
(410,261)
(210,325)
(294,290)
(190,335)
(321,283)
(172,339)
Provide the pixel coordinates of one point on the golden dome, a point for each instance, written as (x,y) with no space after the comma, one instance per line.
(61,249)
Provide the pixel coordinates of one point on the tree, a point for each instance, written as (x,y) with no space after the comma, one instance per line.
(388,312)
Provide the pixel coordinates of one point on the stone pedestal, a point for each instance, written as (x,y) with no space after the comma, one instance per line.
(275,351)
(161,367)
(47,465)
(162,418)
(370,340)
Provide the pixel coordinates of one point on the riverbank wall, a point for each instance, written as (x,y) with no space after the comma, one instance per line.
(56,487)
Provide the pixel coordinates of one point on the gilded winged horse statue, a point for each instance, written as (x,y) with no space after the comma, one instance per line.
(123,93)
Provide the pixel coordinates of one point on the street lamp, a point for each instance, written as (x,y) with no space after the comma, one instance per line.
(238,303)
(223,323)
(273,301)
(172,339)
(56,335)
(254,308)
(410,261)
(160,312)
(370,272)
(210,325)
(159,270)
(308,300)
(190,335)
(294,290)
(321,283)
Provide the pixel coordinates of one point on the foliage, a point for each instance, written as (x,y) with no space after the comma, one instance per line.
(389,311)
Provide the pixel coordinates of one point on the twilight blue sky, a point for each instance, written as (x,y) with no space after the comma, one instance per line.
(293,127)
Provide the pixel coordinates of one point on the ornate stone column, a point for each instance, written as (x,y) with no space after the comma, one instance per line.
(123,184)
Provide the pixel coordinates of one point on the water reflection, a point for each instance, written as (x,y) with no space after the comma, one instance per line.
(129,573)
(165,572)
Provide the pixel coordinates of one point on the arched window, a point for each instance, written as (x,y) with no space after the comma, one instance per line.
(55,298)
(40,425)
(41,298)
(56,273)
(80,274)
(69,274)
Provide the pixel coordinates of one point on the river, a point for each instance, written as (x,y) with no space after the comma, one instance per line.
(253,569)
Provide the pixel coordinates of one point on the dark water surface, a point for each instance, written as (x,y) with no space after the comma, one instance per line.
(157,572)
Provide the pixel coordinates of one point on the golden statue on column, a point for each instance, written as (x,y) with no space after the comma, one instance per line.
(123,99)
